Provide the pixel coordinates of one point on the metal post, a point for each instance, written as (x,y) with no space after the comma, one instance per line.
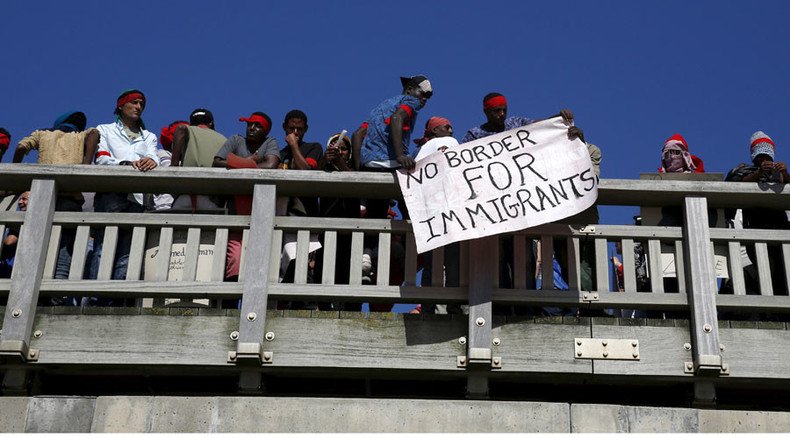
(31,252)
(701,288)
(255,289)
(483,278)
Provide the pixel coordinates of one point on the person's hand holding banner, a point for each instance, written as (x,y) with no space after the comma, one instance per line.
(506,182)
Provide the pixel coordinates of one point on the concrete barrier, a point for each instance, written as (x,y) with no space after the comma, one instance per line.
(299,414)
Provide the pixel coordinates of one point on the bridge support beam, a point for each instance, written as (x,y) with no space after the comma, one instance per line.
(701,280)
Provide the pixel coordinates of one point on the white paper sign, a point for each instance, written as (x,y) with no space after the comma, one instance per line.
(435,145)
(506,182)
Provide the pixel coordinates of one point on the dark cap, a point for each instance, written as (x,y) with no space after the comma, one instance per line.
(201,116)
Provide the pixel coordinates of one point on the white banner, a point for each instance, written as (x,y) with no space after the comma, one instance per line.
(506,182)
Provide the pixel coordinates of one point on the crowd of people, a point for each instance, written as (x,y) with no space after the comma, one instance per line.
(382,143)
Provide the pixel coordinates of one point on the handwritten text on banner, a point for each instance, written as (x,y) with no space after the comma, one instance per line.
(505,182)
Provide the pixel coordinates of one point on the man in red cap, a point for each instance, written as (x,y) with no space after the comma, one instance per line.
(258,150)
(257,145)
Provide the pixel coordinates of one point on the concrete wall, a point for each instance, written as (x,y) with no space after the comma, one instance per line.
(278,414)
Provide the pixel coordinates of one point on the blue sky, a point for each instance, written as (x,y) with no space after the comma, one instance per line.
(634,73)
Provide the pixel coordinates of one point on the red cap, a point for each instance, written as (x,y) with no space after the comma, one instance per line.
(4,141)
(255,118)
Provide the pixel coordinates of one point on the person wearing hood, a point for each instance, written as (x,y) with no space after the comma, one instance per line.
(66,143)
(675,157)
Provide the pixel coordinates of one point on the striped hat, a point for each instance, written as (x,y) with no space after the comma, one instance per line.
(762,144)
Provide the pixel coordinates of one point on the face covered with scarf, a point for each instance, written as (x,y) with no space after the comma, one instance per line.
(675,156)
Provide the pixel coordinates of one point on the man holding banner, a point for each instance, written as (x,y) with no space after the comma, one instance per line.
(507,182)
(497,121)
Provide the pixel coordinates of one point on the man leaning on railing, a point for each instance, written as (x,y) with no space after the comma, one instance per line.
(765,170)
(67,142)
(125,142)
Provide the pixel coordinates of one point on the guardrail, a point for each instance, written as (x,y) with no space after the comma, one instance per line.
(476,350)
